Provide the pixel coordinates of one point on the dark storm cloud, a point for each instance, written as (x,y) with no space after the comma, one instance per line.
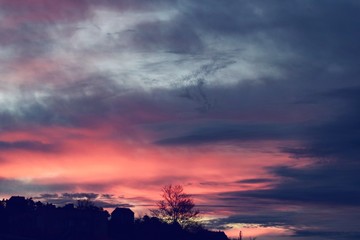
(28,146)
(217,132)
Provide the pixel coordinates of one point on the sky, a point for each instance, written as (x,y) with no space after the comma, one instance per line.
(252,106)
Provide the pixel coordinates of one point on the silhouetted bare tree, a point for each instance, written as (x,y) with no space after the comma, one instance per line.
(176,206)
(85,204)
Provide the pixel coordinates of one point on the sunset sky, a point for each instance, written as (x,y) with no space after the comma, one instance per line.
(252,105)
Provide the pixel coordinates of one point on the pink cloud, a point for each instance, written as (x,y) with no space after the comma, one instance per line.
(39,11)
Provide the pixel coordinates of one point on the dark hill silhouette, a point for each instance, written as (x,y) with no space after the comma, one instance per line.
(23,219)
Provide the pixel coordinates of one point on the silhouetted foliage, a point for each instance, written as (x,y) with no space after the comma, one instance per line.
(86,204)
(23,219)
(176,206)
(122,224)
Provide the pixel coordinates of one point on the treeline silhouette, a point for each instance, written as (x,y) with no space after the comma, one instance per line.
(23,219)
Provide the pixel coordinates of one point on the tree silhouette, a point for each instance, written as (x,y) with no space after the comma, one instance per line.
(23,219)
(176,206)
(86,204)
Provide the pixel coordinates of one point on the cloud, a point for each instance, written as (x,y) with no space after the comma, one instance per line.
(28,146)
(35,186)
(256,180)
(217,132)
(327,185)
(171,36)
(333,147)
(47,192)
(80,103)
(196,77)
(327,234)
(16,187)
(88,196)
(335,138)
(100,200)
(39,11)
(271,219)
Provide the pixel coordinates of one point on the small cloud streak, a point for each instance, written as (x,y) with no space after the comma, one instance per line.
(27,145)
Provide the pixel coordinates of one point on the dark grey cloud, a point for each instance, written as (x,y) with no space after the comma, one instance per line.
(322,194)
(256,17)
(333,146)
(45,193)
(28,146)
(217,132)
(271,110)
(48,195)
(317,25)
(27,40)
(88,196)
(326,190)
(236,202)
(18,187)
(212,183)
(336,138)
(294,215)
(100,200)
(327,234)
(72,104)
(256,180)
(31,30)
(271,219)
(174,36)
(326,187)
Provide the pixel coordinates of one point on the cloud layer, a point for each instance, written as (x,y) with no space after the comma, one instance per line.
(251,105)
